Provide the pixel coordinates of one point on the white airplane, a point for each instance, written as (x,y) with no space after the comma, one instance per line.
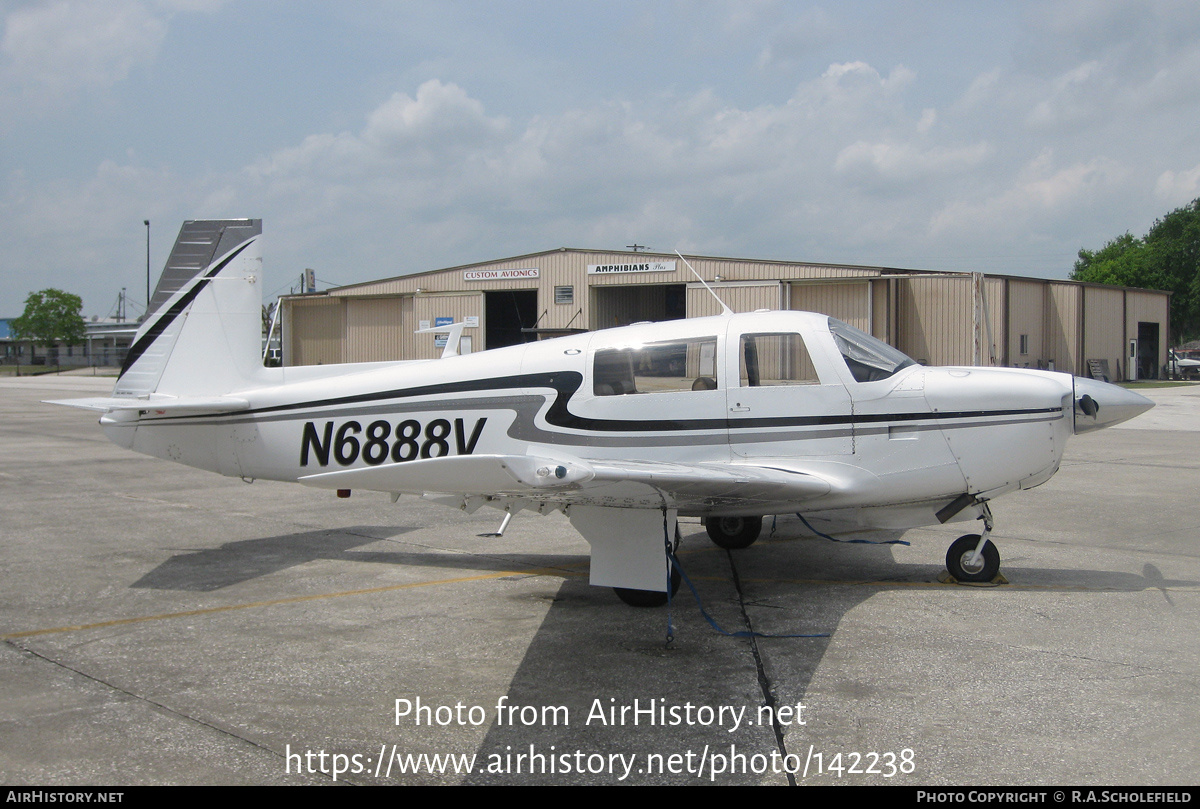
(726,418)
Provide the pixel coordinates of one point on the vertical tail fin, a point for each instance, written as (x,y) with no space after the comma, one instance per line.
(203,330)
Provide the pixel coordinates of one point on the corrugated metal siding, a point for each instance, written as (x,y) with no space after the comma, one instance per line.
(700,303)
(1026,301)
(992,328)
(936,319)
(1103,328)
(847,302)
(315,330)
(373,329)
(1061,329)
(881,321)
(738,297)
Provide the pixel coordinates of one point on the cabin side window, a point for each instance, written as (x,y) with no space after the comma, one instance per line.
(775,359)
(677,365)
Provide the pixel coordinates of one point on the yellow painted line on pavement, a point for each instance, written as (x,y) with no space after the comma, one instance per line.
(290,600)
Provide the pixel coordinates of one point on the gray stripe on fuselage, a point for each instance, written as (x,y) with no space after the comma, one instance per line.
(527,407)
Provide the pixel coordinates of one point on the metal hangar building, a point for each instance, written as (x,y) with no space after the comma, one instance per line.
(937,318)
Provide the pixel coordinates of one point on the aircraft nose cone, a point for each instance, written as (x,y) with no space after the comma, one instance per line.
(1099,404)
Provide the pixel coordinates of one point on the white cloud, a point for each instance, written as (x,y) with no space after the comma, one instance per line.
(1177,188)
(53,50)
(865,161)
(403,134)
(906,161)
(1041,192)
(1077,95)
(440,114)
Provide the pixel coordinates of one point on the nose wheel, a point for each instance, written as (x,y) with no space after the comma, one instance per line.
(973,557)
(966,563)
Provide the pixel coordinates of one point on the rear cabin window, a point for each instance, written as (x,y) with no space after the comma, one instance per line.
(677,365)
(775,359)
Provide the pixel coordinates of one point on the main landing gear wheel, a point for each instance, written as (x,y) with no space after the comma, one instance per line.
(733,533)
(958,560)
(649,598)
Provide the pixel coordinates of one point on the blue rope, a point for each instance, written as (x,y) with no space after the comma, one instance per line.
(670,561)
(847,541)
(674,562)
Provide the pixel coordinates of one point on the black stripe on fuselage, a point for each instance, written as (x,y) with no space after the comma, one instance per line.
(566,383)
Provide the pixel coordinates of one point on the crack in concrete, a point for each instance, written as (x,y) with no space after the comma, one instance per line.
(158,705)
(764,682)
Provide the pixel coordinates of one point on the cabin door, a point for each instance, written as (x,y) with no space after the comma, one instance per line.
(778,406)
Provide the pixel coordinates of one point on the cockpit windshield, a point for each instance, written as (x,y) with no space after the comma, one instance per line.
(868,359)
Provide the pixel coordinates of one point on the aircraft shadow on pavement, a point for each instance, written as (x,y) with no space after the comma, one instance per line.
(592,654)
(236,562)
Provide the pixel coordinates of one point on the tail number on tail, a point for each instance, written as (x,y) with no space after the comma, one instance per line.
(381,442)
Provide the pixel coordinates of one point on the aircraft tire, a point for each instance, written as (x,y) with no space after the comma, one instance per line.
(733,533)
(961,550)
(648,598)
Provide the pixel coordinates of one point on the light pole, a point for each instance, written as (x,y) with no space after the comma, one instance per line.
(146,222)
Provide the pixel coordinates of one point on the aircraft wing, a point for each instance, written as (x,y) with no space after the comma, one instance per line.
(633,483)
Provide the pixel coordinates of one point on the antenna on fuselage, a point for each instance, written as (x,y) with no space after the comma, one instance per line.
(725,310)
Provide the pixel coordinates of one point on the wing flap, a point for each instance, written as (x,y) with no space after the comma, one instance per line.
(716,481)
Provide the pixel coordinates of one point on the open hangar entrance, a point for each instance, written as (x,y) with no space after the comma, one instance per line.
(1146,354)
(506,313)
(614,305)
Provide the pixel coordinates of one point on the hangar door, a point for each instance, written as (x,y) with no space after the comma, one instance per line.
(506,312)
(1147,350)
(622,305)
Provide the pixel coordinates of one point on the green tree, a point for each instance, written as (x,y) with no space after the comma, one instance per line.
(50,316)
(1168,258)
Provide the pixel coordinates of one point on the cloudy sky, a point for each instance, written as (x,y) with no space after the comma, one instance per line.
(379,138)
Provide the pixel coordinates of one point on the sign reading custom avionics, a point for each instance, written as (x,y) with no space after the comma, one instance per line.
(645,266)
(499,275)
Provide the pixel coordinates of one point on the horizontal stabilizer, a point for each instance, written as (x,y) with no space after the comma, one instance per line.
(159,404)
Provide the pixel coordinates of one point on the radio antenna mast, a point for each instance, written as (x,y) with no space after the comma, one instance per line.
(725,310)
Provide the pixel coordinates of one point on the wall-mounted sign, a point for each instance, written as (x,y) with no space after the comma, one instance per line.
(642,266)
(439,340)
(499,275)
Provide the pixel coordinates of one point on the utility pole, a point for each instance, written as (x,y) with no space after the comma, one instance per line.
(146,222)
